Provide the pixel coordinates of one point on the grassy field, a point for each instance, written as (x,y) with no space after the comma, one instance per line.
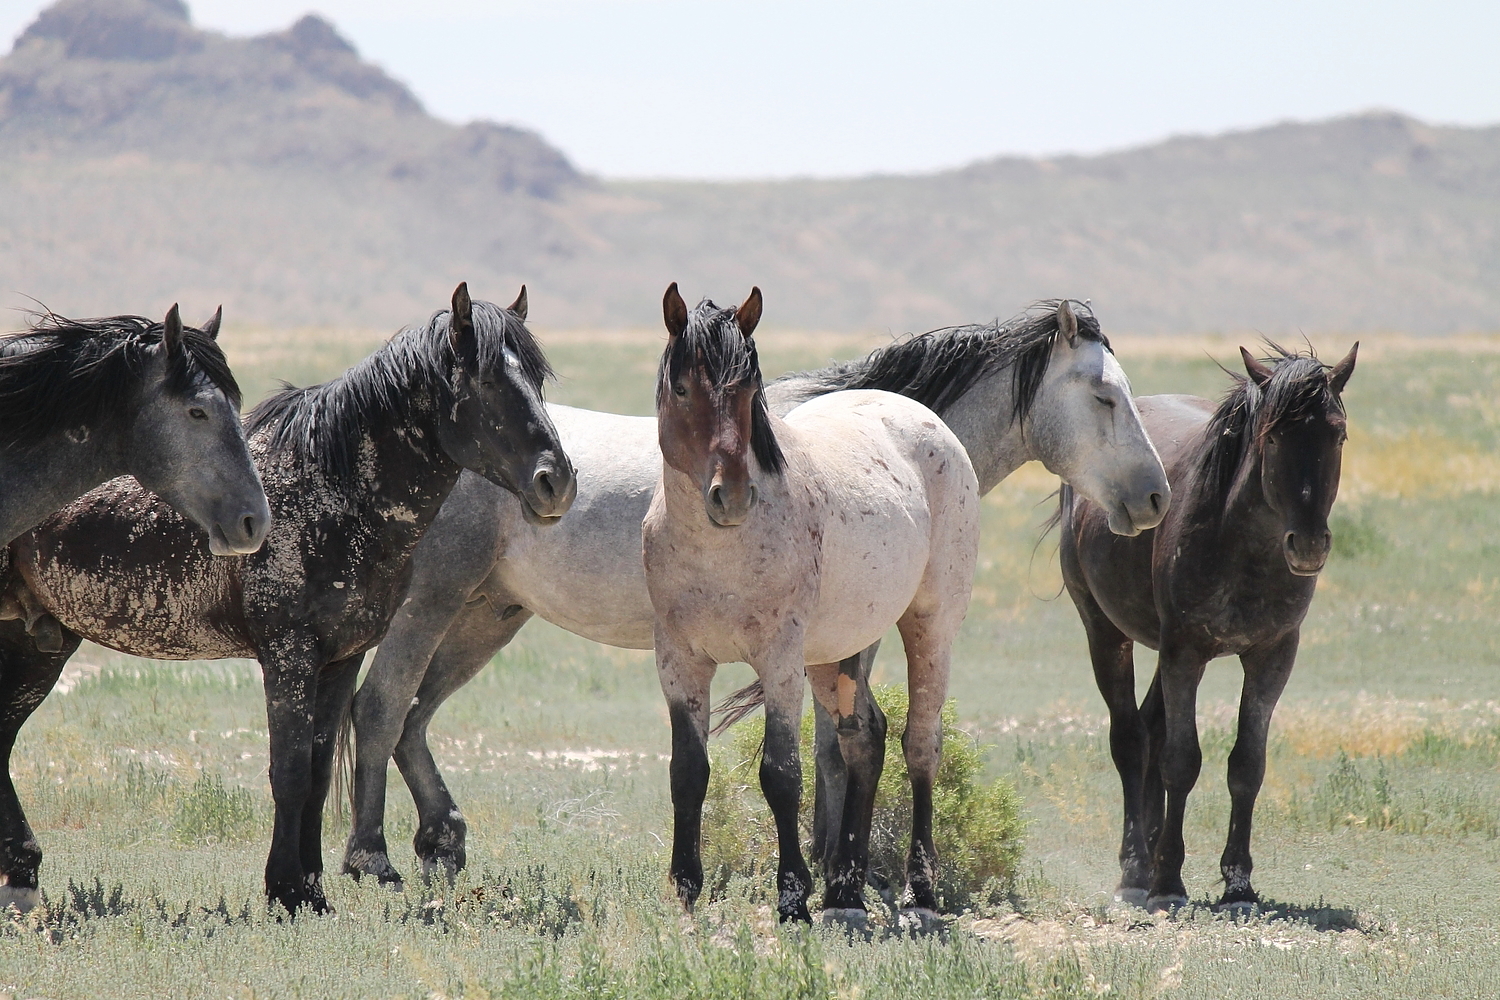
(1376,843)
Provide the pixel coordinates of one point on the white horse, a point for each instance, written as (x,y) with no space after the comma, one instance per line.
(1042,386)
(861,511)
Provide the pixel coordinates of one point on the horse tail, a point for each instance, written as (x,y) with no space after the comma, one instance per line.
(738,705)
(343,765)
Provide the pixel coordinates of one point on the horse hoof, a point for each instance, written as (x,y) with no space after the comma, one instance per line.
(19,898)
(1238,907)
(848,918)
(1131,897)
(440,867)
(1169,903)
(919,920)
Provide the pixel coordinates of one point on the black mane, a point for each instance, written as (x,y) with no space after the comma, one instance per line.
(80,373)
(713,344)
(937,368)
(323,425)
(1299,386)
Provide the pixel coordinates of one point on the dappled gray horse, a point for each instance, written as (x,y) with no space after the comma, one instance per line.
(1042,386)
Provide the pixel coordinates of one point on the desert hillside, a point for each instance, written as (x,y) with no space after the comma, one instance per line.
(143,160)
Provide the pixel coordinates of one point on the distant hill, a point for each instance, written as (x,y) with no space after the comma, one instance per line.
(143,160)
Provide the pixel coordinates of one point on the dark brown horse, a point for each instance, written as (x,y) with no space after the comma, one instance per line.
(1229,572)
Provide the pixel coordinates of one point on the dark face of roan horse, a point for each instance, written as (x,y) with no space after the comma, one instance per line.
(711,412)
(1301,458)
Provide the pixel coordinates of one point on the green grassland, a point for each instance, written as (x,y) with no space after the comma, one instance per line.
(1378,836)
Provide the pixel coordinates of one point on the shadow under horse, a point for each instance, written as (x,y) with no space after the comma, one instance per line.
(1231,571)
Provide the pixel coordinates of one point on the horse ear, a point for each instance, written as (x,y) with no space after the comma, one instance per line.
(674,311)
(211,328)
(1259,373)
(748,314)
(171,332)
(1067,323)
(519,306)
(461,322)
(1341,371)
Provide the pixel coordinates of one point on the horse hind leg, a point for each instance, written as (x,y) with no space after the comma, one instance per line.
(1266,674)
(831,775)
(480,631)
(928,637)
(26,676)
(859,729)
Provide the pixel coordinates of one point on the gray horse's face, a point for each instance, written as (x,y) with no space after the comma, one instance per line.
(498,425)
(1085,428)
(189,449)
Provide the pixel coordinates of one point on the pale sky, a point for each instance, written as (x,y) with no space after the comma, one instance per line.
(726,89)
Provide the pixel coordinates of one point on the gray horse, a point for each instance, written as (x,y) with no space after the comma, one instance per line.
(1042,386)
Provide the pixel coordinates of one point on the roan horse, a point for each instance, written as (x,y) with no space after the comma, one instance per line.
(860,510)
(1230,571)
(356,469)
(1042,386)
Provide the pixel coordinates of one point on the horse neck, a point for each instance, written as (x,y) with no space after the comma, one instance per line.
(53,474)
(982,420)
(1245,508)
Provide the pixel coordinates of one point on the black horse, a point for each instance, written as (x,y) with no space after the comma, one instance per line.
(355,469)
(1230,571)
(84,401)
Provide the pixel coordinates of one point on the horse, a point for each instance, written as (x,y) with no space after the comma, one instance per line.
(1043,385)
(1231,571)
(858,511)
(85,401)
(355,470)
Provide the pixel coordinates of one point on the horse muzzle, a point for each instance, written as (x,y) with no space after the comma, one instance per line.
(551,492)
(240,534)
(727,506)
(1306,552)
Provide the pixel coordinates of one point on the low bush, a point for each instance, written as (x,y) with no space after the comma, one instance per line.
(977,824)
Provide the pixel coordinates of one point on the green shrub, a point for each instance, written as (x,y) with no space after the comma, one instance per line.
(211,813)
(977,825)
(1356,535)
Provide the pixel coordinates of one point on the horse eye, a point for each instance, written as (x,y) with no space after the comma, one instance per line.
(680,389)
(487,383)
(197,413)
(1106,401)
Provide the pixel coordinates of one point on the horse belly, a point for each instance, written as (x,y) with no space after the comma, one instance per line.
(163,609)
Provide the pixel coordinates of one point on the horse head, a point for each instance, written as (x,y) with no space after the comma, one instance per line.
(710,404)
(1084,426)
(497,424)
(1300,436)
(185,442)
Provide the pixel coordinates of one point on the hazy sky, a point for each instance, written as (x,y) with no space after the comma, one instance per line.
(714,88)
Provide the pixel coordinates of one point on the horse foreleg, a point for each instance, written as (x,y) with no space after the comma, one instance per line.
(1179,671)
(478,634)
(781,779)
(335,690)
(26,676)
(1266,673)
(685,679)
(1153,793)
(291,685)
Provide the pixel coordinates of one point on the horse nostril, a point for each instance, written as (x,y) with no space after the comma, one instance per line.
(249,525)
(716,496)
(542,483)
(1156,503)
(1291,542)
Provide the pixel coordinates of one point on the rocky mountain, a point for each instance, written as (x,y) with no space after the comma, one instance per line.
(144,160)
